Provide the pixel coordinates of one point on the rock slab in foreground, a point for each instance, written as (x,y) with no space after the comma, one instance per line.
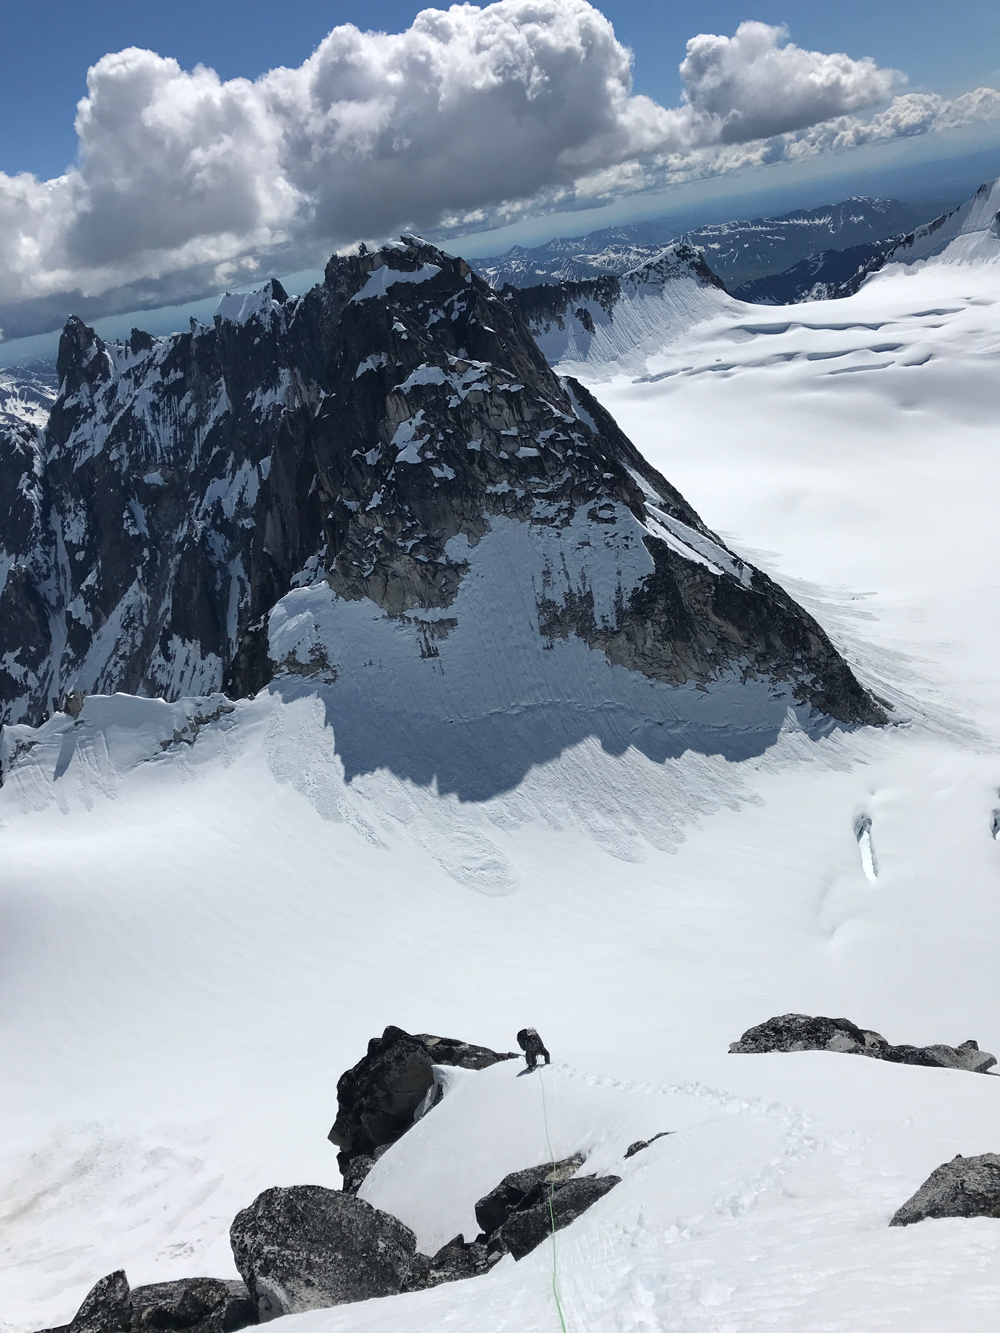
(494,1208)
(963,1187)
(800,1032)
(378,1100)
(536,1217)
(305,1248)
(193,1305)
(189,1305)
(454,1262)
(521,1211)
(106,1308)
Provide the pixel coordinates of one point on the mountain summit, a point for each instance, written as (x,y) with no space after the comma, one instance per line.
(380,490)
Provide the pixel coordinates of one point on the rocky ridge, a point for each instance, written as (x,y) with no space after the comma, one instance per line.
(800,1032)
(827,275)
(972,229)
(306,1247)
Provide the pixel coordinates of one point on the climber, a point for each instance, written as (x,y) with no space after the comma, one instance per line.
(532,1046)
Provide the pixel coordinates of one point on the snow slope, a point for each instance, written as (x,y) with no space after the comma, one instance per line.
(653,304)
(971,232)
(204,922)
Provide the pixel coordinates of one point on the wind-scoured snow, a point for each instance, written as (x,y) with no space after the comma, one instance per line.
(205,921)
(656,304)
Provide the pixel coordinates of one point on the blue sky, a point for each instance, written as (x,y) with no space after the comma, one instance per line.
(48,45)
(483,128)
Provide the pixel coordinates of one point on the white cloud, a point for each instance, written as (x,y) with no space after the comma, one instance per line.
(184,181)
(752,86)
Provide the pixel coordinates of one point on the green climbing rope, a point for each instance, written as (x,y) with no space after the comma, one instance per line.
(552,1213)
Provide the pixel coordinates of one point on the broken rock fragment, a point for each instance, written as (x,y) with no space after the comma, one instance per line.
(800,1032)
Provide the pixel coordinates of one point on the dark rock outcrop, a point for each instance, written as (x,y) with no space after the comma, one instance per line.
(800,1032)
(27,542)
(963,1187)
(494,1208)
(192,1305)
(738,251)
(378,1099)
(546,1207)
(305,1247)
(966,1056)
(107,1308)
(520,1212)
(640,1144)
(188,1305)
(455,1261)
(354,1169)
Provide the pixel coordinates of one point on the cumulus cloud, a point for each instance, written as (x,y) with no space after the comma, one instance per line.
(184,181)
(754,86)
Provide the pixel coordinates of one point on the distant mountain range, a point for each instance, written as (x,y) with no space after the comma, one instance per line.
(823,276)
(833,274)
(739,252)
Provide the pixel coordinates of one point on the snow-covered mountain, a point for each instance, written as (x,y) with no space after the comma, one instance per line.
(837,273)
(613,325)
(609,320)
(738,251)
(387,472)
(968,233)
(27,392)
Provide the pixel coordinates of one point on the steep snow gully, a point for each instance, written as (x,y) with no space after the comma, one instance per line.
(206,912)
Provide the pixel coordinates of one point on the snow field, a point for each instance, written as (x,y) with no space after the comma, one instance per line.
(198,939)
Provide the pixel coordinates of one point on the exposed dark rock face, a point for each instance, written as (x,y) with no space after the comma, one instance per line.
(27,545)
(640,1144)
(189,1305)
(555,303)
(521,1211)
(354,1169)
(966,1056)
(454,1262)
(371,432)
(799,1032)
(378,1099)
(306,1247)
(963,1187)
(198,1305)
(494,1208)
(107,1308)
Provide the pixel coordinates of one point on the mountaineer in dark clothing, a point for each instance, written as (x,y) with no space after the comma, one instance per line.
(532,1046)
